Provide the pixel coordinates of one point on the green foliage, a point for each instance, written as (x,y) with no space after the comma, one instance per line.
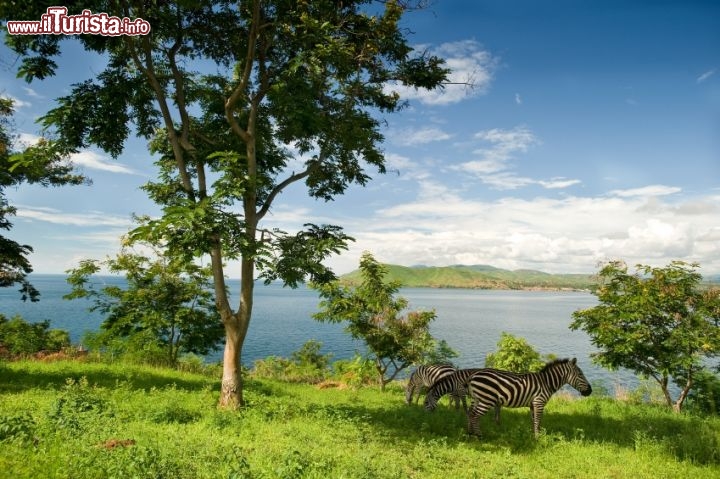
(19,427)
(375,315)
(166,310)
(356,372)
(705,395)
(20,338)
(657,322)
(309,355)
(305,365)
(515,354)
(77,407)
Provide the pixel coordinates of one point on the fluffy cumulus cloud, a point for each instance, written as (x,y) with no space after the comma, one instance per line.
(571,234)
(472,69)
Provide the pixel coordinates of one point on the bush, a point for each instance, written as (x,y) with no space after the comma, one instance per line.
(515,354)
(355,372)
(77,406)
(307,365)
(19,427)
(705,395)
(20,338)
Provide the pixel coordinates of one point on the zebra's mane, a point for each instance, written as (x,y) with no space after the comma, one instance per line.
(554,363)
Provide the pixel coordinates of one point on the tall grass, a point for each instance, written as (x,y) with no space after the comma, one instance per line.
(87,420)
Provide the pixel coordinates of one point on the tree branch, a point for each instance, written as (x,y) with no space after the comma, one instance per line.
(281,186)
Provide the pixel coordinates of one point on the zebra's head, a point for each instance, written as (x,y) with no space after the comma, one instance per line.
(577,379)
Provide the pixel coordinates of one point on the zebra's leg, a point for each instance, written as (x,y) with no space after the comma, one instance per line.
(457,398)
(497,414)
(478,409)
(537,408)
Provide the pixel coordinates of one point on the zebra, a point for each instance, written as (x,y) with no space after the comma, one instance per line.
(493,387)
(426,376)
(455,383)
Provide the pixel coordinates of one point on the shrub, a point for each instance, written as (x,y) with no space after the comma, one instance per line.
(515,354)
(306,365)
(21,338)
(17,427)
(705,395)
(76,405)
(356,372)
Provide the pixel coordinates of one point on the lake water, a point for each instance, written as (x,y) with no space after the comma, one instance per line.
(471,321)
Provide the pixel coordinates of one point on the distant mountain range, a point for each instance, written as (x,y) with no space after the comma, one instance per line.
(480,277)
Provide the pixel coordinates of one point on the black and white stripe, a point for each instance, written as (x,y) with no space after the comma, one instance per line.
(424,377)
(455,384)
(493,388)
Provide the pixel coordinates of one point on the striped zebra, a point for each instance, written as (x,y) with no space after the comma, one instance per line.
(427,375)
(455,383)
(492,387)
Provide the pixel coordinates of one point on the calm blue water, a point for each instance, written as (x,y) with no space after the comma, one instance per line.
(471,321)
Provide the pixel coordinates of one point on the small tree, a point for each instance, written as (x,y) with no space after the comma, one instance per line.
(374,315)
(515,354)
(20,338)
(167,305)
(656,322)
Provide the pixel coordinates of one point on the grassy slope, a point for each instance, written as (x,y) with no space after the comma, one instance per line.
(292,430)
(481,277)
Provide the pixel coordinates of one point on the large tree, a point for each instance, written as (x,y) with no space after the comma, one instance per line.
(43,163)
(657,322)
(243,99)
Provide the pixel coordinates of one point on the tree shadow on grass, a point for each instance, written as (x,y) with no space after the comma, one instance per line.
(685,438)
(15,378)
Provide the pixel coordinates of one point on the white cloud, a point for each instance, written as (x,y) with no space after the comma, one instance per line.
(92,160)
(27,139)
(411,137)
(494,168)
(32,93)
(571,234)
(558,183)
(17,103)
(86,158)
(52,215)
(472,69)
(518,99)
(651,190)
(705,75)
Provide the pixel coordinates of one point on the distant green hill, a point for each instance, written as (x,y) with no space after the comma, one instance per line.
(479,277)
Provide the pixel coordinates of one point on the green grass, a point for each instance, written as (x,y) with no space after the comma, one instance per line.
(139,422)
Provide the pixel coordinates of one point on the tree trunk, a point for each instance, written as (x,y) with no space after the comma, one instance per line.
(236,326)
(683,394)
(666,392)
(231,393)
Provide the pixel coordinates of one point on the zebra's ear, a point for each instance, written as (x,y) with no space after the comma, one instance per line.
(573,361)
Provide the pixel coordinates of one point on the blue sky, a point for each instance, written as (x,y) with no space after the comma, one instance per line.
(592,133)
